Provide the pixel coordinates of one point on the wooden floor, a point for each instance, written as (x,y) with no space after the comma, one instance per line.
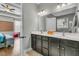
(6,51)
(9,52)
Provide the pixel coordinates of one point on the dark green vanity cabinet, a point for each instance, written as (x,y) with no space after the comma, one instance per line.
(38,43)
(52,46)
(33,42)
(45,45)
(69,48)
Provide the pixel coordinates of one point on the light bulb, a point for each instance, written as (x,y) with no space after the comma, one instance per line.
(58,6)
(63,5)
(42,13)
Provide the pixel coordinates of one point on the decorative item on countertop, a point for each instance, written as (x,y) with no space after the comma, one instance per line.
(50,32)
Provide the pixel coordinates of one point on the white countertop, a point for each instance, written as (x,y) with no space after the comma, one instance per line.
(69,36)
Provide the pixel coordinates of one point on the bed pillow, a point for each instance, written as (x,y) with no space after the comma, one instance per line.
(2,37)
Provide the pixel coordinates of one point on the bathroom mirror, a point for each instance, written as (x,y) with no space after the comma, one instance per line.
(67,26)
(47,23)
(64,22)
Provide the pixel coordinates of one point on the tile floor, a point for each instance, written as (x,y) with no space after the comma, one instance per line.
(32,53)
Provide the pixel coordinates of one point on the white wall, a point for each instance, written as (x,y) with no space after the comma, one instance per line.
(30,23)
(2,18)
(78,12)
(17,26)
(51,24)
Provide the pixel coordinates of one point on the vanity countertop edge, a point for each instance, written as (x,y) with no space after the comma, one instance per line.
(68,36)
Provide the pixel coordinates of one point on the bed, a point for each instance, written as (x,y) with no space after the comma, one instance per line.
(9,40)
(7,28)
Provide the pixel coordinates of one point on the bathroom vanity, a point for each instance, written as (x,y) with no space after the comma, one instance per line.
(56,44)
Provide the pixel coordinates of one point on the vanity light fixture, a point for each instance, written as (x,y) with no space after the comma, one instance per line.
(69,3)
(43,12)
(58,6)
(63,4)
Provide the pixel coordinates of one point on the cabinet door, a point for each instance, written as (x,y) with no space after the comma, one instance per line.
(69,48)
(45,50)
(45,44)
(69,51)
(38,45)
(53,46)
(33,41)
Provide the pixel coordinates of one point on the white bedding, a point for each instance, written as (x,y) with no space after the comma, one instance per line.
(8,36)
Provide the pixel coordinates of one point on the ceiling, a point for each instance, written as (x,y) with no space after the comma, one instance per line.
(48,6)
(52,7)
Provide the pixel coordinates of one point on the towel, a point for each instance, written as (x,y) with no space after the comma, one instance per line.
(2,37)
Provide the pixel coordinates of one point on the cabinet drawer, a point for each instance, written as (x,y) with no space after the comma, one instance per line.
(33,35)
(38,37)
(44,38)
(44,51)
(70,43)
(53,41)
(45,44)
